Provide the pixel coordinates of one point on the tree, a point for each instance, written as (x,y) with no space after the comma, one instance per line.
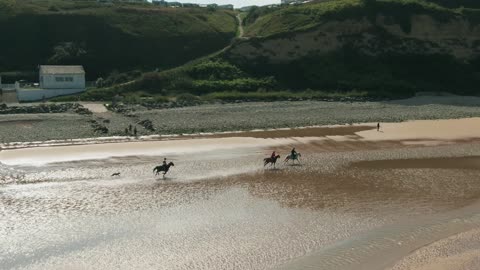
(99,83)
(67,53)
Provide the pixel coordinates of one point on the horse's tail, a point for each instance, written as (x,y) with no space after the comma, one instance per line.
(266,161)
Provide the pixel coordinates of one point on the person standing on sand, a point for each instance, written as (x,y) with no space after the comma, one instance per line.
(378,126)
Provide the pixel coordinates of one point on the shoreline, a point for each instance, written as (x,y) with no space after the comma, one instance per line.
(255,133)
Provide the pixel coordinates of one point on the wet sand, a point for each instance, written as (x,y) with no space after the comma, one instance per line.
(457,252)
(462,163)
(356,201)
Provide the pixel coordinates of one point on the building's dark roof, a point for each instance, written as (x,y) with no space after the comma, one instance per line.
(62,70)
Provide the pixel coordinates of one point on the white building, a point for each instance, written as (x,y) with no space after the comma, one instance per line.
(62,77)
(54,81)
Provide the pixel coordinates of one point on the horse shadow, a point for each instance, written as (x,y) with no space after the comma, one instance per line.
(166,179)
(295,165)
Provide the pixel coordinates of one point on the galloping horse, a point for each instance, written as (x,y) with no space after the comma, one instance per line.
(293,158)
(163,168)
(270,160)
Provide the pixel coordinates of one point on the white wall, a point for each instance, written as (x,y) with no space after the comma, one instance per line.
(48,81)
(40,94)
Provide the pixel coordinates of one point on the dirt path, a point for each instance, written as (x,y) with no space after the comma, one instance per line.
(240,26)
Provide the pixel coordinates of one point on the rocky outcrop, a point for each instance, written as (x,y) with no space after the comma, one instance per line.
(43,108)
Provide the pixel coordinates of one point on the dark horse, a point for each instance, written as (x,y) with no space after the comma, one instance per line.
(163,168)
(270,160)
(293,158)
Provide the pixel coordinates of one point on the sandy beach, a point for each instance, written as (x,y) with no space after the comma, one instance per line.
(406,197)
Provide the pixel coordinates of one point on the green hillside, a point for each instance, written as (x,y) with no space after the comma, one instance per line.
(270,21)
(107,37)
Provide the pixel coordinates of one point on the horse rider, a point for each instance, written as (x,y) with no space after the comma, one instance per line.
(273,155)
(164,162)
(294,153)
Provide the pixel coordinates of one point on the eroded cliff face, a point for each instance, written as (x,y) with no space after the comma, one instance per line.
(421,35)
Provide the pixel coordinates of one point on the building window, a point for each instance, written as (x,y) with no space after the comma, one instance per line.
(59,79)
(69,79)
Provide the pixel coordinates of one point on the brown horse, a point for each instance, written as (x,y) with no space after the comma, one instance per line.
(270,160)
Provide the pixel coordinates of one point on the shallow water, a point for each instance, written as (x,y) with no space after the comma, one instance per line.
(220,209)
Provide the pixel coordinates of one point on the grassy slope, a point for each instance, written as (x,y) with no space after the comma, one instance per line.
(108,37)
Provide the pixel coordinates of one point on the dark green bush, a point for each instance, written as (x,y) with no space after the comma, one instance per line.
(215,70)
(242,85)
